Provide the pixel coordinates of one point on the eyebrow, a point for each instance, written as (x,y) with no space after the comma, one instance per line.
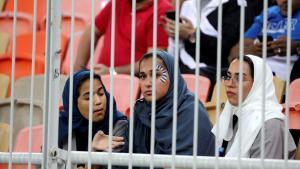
(228,72)
(88,92)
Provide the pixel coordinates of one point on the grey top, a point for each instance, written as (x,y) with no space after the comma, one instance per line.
(274,141)
(120,129)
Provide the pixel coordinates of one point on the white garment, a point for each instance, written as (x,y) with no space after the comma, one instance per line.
(250,115)
(278,65)
(205,25)
(188,10)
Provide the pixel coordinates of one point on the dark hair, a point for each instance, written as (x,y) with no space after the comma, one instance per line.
(251,65)
(85,78)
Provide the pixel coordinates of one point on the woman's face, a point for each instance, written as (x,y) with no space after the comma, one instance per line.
(231,82)
(162,79)
(99,100)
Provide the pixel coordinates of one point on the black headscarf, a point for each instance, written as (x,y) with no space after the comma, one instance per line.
(80,124)
(164,120)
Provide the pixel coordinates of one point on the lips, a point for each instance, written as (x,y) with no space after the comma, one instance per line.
(98,111)
(148,93)
(229,94)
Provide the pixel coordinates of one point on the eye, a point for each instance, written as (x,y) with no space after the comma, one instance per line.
(100,92)
(142,76)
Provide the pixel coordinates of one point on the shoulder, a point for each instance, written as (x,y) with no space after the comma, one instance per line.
(121,123)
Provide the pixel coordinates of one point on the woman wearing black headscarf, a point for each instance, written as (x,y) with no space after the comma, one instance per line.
(80,116)
(164,112)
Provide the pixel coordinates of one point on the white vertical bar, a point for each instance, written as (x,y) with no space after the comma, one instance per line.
(241,70)
(70,123)
(55,54)
(133,20)
(32,81)
(91,94)
(197,72)
(219,52)
(264,54)
(175,97)
(46,85)
(12,103)
(153,103)
(111,70)
(288,69)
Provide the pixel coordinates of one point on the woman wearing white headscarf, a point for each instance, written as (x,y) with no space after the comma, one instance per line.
(251,114)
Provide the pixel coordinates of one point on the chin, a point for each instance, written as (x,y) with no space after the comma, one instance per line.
(98,118)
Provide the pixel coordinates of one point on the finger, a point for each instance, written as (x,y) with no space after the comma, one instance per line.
(100,132)
(116,138)
(117,144)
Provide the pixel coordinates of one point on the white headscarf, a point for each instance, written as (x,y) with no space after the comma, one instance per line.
(251,113)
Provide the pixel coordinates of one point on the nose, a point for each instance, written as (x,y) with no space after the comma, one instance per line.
(149,81)
(97,100)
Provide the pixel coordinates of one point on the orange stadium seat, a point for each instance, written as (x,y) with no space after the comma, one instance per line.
(122,89)
(27,7)
(24,23)
(82,15)
(23,65)
(204,85)
(24,44)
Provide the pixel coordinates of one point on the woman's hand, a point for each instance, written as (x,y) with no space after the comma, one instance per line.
(101,141)
(186,28)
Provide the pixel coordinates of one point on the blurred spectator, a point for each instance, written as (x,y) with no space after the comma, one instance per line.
(208,27)
(144,35)
(277,40)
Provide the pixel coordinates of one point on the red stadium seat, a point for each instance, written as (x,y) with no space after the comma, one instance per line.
(22,143)
(204,85)
(122,89)
(295,91)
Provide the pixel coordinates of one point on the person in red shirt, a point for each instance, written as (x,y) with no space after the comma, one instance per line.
(144,35)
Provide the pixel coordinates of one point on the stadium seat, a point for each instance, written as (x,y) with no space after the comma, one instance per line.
(298,151)
(22,139)
(22,87)
(22,143)
(211,105)
(26,7)
(22,66)
(66,63)
(21,113)
(24,23)
(204,85)
(4,135)
(4,42)
(279,88)
(65,68)
(2,3)
(4,81)
(82,15)
(122,89)
(24,44)
(295,91)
